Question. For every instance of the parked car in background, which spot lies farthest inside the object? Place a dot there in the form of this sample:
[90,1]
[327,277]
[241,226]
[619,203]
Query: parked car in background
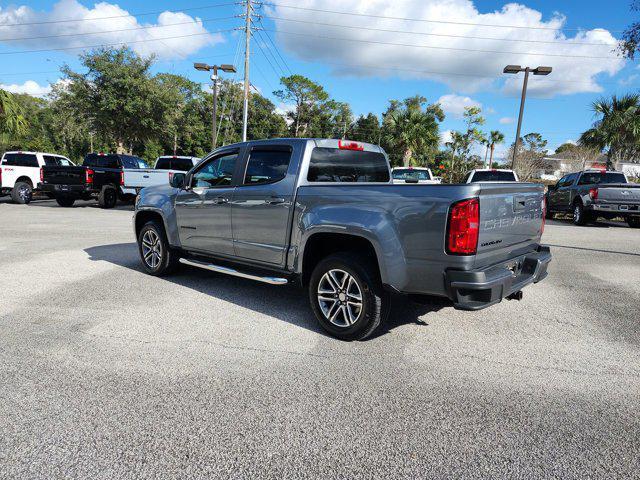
[101,177]
[176,162]
[491,175]
[20,172]
[595,193]
[326,213]
[404,175]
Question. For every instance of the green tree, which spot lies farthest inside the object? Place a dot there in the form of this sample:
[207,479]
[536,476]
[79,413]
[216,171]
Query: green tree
[532,149]
[566,147]
[617,128]
[118,97]
[306,96]
[495,138]
[462,143]
[12,120]
[630,41]
[366,129]
[411,130]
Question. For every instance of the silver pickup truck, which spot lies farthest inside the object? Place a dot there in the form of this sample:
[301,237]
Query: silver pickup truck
[595,193]
[326,213]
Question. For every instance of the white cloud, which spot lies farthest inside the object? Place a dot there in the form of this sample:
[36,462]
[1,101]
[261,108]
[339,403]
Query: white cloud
[118,28]
[445,137]
[506,120]
[29,87]
[463,70]
[453,104]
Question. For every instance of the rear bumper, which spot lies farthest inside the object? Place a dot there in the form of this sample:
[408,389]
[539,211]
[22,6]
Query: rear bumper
[76,191]
[477,289]
[614,208]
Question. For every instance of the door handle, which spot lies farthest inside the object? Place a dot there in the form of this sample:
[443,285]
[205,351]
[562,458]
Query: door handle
[274,201]
[220,200]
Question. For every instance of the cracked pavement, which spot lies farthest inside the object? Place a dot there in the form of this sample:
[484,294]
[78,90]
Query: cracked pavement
[106,372]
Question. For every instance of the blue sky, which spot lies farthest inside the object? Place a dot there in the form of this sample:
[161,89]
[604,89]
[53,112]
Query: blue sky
[355,57]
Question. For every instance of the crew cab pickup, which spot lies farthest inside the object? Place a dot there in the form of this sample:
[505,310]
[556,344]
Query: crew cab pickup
[20,172]
[165,168]
[326,213]
[595,193]
[101,176]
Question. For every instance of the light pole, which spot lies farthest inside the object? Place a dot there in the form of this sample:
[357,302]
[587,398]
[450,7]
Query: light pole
[203,67]
[515,69]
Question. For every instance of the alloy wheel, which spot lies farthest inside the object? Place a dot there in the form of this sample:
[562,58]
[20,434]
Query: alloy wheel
[340,298]
[151,249]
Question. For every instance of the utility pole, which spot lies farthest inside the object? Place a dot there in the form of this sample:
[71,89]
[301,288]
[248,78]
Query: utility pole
[247,33]
[515,69]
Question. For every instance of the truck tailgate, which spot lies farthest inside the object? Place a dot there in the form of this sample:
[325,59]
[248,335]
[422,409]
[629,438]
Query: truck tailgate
[145,178]
[63,175]
[622,193]
[511,216]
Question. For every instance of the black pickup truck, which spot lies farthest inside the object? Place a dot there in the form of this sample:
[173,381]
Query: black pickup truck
[100,177]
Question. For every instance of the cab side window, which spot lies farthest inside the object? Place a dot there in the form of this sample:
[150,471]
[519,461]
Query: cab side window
[267,165]
[218,172]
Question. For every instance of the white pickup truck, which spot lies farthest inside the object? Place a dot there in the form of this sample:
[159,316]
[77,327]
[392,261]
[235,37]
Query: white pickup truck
[404,175]
[20,172]
[165,167]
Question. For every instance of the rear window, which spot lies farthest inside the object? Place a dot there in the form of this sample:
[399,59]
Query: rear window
[20,160]
[57,161]
[601,177]
[96,160]
[494,176]
[170,163]
[129,161]
[409,173]
[335,165]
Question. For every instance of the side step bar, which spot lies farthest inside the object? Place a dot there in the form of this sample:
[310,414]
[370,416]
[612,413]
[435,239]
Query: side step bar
[231,271]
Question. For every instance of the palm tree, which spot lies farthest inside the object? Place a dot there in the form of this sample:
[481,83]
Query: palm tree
[617,128]
[12,120]
[495,137]
[412,130]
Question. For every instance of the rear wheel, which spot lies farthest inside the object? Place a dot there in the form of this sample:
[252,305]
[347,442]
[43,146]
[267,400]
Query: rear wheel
[347,297]
[633,222]
[579,215]
[158,258]
[22,193]
[65,201]
[108,197]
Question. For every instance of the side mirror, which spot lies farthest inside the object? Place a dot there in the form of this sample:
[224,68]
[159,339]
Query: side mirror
[178,180]
[411,180]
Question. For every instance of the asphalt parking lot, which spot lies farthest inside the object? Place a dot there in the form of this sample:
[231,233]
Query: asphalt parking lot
[106,372]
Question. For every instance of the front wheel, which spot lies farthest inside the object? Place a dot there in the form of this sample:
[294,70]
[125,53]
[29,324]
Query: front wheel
[158,258]
[579,215]
[633,222]
[22,193]
[347,296]
[108,197]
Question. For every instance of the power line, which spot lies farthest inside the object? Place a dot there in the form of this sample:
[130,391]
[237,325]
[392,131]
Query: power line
[139,14]
[451,22]
[267,58]
[360,27]
[113,44]
[16,39]
[503,52]
[275,47]
[271,52]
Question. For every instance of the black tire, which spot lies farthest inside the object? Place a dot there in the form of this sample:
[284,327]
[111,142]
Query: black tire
[633,222]
[108,197]
[65,201]
[22,193]
[167,259]
[580,217]
[374,303]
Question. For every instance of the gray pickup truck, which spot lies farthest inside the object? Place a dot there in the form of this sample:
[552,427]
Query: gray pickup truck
[595,193]
[326,213]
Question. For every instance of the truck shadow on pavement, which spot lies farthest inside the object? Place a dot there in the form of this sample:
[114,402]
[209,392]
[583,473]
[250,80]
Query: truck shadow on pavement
[287,303]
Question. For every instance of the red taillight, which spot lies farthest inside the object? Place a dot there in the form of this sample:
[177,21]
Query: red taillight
[348,145]
[593,193]
[121,178]
[464,226]
[41,175]
[89,176]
